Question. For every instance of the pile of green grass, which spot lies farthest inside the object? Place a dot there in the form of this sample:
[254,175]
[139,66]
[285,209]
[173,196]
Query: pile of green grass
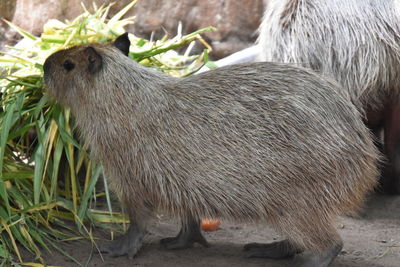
[47,179]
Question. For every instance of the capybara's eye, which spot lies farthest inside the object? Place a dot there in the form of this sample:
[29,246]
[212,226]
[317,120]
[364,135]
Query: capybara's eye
[68,65]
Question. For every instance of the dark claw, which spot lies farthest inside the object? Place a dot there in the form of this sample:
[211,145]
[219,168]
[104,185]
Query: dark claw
[276,250]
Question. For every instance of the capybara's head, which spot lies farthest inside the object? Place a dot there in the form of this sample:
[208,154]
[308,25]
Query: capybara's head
[69,74]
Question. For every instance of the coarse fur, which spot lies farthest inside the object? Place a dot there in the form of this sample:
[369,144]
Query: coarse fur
[356,42]
[261,142]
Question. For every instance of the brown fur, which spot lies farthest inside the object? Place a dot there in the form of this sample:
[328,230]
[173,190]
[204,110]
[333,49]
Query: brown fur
[261,142]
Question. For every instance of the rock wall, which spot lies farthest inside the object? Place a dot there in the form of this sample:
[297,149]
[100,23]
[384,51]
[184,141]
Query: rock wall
[7,9]
[236,20]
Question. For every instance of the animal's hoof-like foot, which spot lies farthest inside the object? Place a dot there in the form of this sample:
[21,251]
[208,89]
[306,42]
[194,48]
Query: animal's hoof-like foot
[185,239]
[128,244]
[321,259]
[119,248]
[276,250]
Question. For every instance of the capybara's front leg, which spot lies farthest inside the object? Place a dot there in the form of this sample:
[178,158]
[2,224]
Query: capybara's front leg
[189,234]
[128,244]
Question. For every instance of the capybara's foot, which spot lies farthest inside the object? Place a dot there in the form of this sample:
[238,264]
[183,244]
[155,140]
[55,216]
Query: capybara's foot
[322,259]
[188,235]
[128,244]
[276,250]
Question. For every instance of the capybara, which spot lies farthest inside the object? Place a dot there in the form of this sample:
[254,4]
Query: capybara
[355,42]
[262,142]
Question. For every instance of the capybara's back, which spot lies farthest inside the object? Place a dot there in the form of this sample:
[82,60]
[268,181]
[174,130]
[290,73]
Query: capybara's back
[262,142]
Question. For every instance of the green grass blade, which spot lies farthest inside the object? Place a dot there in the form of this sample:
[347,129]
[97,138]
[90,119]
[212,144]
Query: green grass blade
[89,192]
[5,130]
[107,195]
[58,149]
[21,31]
[39,160]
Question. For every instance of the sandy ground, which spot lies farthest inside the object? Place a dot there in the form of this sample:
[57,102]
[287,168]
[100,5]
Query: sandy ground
[372,240]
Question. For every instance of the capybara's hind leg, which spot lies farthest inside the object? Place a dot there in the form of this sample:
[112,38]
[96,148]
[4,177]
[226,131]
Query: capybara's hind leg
[391,176]
[322,259]
[276,250]
[321,237]
[128,244]
[312,231]
[189,234]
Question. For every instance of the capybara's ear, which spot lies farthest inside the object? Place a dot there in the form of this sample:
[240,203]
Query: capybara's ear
[123,43]
[93,59]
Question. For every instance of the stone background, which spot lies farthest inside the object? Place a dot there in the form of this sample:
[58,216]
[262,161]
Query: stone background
[236,20]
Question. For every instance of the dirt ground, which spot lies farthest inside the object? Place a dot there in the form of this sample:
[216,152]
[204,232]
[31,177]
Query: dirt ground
[372,240]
